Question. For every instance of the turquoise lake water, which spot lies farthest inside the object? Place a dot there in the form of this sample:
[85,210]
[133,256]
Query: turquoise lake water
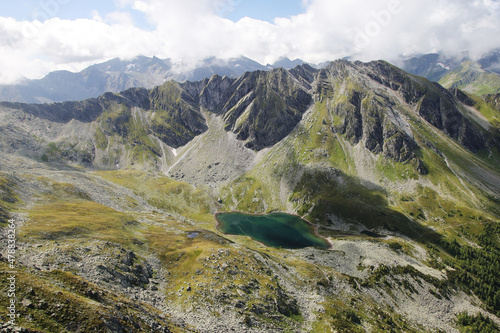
[275,229]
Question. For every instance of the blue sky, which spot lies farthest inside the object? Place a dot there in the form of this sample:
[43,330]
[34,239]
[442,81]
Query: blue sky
[265,10]
[39,36]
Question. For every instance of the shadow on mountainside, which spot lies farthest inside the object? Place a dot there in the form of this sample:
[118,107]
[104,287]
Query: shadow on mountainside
[324,195]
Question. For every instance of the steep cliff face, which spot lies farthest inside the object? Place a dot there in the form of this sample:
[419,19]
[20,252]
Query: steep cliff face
[176,117]
[373,103]
[264,107]
[432,102]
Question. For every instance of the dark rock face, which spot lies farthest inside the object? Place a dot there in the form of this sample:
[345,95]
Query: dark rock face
[177,118]
[353,122]
[462,96]
[215,92]
[261,108]
[441,110]
[275,106]
[433,103]
[365,119]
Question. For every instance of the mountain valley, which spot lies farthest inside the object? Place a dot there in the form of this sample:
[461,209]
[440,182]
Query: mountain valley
[114,201]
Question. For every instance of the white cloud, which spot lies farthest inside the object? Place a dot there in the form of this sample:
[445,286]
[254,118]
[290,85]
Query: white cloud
[193,29]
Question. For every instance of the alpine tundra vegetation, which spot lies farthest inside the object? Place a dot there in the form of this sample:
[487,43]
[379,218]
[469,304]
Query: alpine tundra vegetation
[114,201]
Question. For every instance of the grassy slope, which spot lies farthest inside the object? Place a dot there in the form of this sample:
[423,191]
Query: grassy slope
[165,193]
[67,216]
[58,301]
[8,198]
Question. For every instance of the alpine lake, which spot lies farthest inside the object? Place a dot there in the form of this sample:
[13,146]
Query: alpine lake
[278,230]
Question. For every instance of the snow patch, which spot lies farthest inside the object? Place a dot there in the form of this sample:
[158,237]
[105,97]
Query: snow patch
[444,66]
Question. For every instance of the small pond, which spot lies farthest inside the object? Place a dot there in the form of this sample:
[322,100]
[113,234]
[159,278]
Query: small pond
[279,230]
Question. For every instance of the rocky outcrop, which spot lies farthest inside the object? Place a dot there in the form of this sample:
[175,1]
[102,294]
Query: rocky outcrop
[176,117]
[265,107]
[215,92]
[432,102]
[362,115]
[494,100]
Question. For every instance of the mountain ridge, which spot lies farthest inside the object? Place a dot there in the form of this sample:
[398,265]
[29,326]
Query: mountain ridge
[289,93]
[116,75]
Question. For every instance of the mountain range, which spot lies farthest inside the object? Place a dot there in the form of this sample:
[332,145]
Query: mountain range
[114,200]
[481,76]
[117,75]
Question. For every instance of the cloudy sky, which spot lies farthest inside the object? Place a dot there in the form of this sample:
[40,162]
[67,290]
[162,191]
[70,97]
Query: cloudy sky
[38,36]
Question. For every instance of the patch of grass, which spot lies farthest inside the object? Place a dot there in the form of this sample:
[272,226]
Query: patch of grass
[61,191]
[80,152]
[165,193]
[248,194]
[338,317]
[475,323]
[317,143]
[395,246]
[395,171]
[101,141]
[80,218]
[8,199]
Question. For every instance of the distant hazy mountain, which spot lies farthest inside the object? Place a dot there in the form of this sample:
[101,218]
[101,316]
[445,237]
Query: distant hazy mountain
[479,77]
[432,66]
[117,75]
[287,63]
[471,77]
[491,61]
